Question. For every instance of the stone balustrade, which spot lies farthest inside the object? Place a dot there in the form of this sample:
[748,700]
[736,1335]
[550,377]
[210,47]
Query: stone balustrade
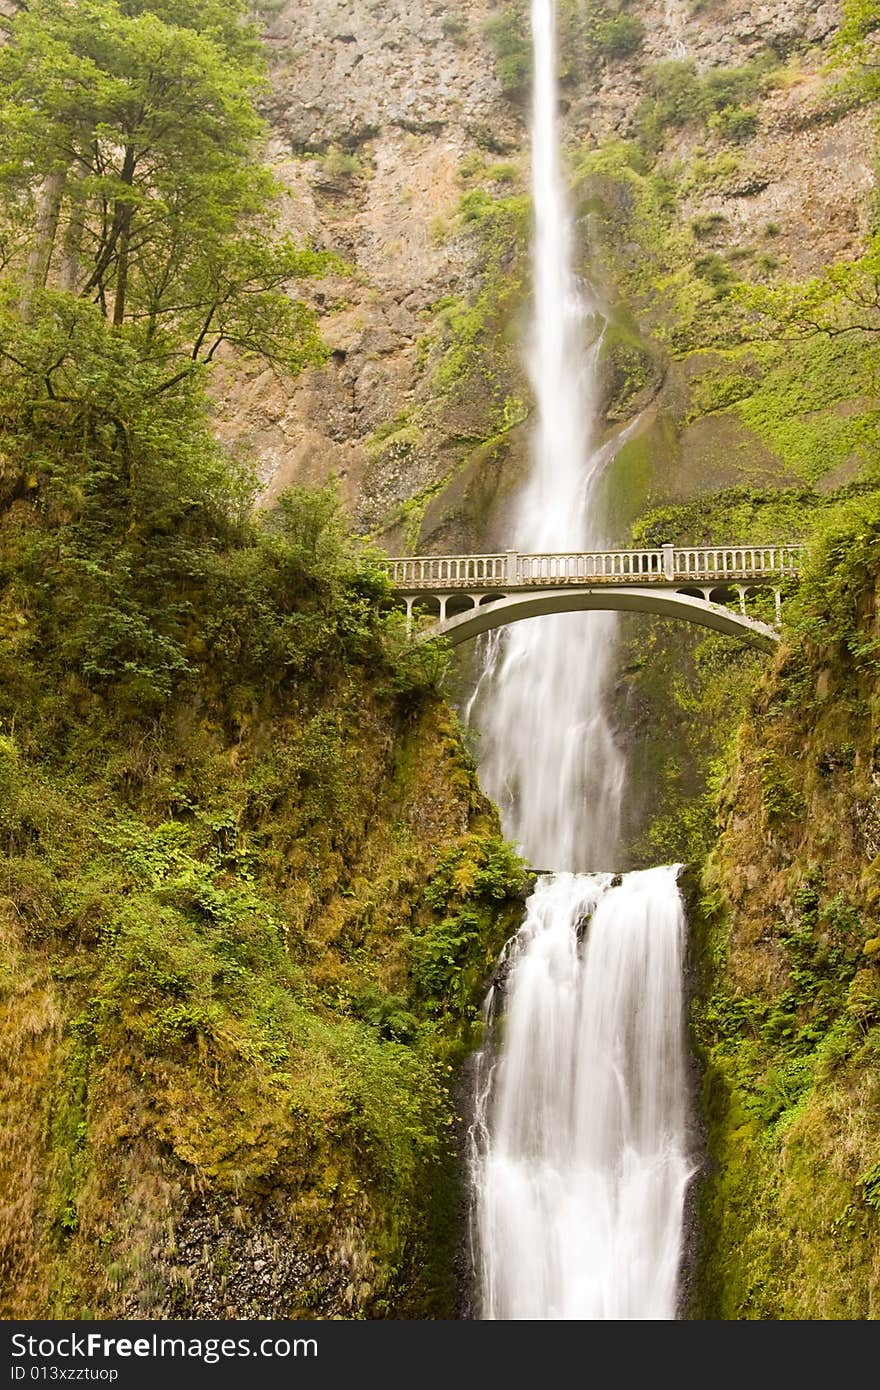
[668,564]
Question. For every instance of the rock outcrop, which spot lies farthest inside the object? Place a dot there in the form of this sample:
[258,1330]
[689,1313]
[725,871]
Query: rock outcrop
[384,122]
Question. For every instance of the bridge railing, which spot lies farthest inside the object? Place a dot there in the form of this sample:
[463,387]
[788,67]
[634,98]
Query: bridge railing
[666,565]
[583,567]
[736,562]
[447,571]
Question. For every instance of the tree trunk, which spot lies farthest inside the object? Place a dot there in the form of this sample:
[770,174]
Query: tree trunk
[122,267]
[124,218]
[48,211]
[69,270]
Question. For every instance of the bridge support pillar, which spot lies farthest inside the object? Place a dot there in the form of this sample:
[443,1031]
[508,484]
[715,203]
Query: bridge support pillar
[668,562]
[409,616]
[706,594]
[512,566]
[777,594]
[443,599]
[742,599]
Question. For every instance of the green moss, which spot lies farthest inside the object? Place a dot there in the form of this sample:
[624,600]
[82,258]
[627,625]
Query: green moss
[786,1018]
[803,406]
[225,908]
[778,1241]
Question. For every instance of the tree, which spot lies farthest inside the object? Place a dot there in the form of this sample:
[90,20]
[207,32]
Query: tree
[130,153]
[844,299]
[856,48]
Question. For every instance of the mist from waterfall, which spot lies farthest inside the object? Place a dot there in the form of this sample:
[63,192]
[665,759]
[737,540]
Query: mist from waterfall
[579,1145]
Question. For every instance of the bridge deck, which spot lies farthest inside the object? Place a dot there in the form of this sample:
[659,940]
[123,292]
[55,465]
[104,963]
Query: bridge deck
[666,565]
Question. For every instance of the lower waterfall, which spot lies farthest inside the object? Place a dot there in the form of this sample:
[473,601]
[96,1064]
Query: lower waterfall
[579,1147]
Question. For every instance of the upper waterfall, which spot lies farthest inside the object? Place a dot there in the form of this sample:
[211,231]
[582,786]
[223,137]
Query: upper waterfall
[548,754]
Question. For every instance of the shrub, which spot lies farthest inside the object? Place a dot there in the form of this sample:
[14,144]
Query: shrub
[707,223]
[620,36]
[735,123]
[513,56]
[715,270]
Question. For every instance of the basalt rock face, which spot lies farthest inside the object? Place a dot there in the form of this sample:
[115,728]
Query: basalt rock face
[402,139]
[374,113]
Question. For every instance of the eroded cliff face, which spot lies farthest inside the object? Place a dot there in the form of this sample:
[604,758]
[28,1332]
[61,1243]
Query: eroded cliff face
[374,113]
[403,143]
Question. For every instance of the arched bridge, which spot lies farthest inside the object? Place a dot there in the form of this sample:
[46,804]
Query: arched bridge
[708,585]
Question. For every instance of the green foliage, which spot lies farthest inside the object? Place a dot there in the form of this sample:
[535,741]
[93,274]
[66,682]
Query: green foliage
[707,223]
[144,567]
[674,99]
[487,867]
[144,194]
[448,962]
[696,688]
[512,49]
[814,406]
[634,204]
[678,95]
[786,950]
[735,123]
[471,345]
[339,164]
[779,796]
[844,300]
[781,1076]
[247,867]
[843,561]
[854,48]
[240,886]
[716,271]
[620,35]
[437,954]
[751,514]
[476,205]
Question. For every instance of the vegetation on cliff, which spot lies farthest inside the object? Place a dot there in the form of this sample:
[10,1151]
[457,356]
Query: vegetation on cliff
[787,1011]
[251,890]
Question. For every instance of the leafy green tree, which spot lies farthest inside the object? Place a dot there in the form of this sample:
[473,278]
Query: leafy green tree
[620,35]
[844,299]
[856,48]
[130,153]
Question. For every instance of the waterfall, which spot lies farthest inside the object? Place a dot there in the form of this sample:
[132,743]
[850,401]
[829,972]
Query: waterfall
[547,752]
[581,1127]
[579,1151]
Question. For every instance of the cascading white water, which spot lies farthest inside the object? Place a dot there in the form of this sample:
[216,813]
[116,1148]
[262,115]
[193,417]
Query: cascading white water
[581,1127]
[579,1149]
[547,751]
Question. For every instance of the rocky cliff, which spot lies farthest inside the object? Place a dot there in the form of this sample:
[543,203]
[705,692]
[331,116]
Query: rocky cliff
[402,140]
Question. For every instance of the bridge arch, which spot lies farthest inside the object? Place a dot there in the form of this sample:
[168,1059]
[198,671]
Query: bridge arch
[667,603]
